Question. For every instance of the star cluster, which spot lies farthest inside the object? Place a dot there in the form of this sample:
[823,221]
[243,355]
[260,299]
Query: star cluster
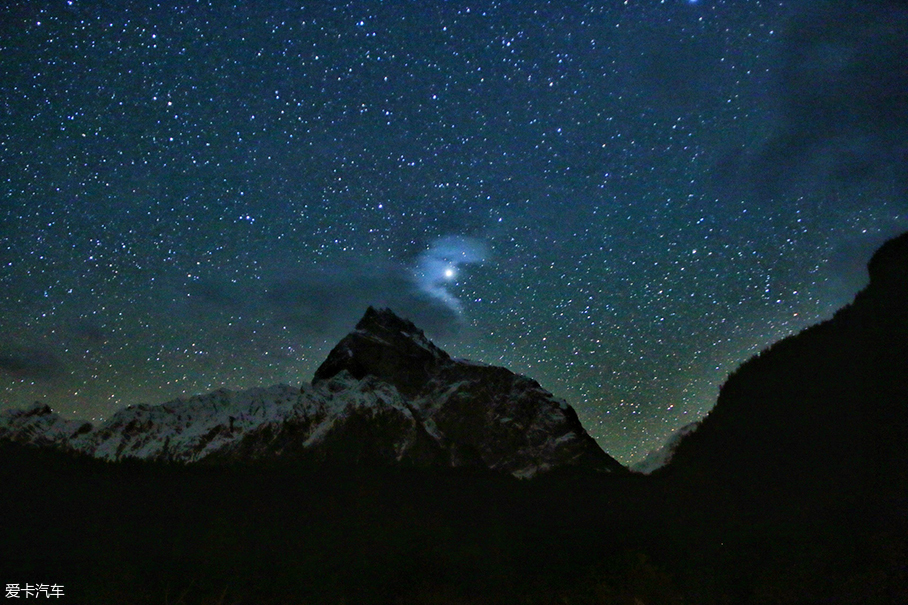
[622,200]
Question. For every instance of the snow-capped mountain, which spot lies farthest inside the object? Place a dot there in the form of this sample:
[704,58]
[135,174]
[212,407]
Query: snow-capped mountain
[384,395]
[662,455]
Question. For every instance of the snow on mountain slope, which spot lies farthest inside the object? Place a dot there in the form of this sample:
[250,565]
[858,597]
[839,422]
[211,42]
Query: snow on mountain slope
[189,429]
[39,425]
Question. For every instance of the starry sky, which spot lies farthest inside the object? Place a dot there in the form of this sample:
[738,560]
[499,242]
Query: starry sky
[623,200]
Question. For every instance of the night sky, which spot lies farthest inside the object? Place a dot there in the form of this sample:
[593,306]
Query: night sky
[621,200]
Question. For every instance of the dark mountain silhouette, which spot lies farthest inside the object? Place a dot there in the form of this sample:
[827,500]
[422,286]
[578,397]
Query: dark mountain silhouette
[801,469]
[826,408]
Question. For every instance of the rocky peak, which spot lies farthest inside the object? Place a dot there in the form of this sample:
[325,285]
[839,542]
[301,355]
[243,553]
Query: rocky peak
[484,416]
[38,409]
[388,347]
[386,322]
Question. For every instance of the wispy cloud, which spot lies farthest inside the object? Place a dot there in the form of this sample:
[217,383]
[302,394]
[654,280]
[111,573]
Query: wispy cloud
[30,363]
[439,266]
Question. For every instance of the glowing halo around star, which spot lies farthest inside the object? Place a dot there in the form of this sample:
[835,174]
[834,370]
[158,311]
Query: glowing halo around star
[438,266]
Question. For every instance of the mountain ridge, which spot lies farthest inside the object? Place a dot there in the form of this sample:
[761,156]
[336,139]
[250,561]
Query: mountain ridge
[384,395]
[821,416]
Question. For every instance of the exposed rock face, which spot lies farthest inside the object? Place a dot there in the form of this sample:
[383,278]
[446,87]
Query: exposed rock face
[384,395]
[480,415]
[387,347]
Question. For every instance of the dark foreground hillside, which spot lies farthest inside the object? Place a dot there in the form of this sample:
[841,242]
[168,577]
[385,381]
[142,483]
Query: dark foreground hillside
[799,476]
[147,533]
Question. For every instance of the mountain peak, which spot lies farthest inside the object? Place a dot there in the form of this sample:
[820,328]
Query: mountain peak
[388,347]
[481,415]
[39,409]
[379,321]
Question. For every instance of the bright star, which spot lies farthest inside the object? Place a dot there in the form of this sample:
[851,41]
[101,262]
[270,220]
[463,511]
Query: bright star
[438,266]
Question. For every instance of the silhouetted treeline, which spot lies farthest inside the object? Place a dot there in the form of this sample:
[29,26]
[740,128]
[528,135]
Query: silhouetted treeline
[148,533]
